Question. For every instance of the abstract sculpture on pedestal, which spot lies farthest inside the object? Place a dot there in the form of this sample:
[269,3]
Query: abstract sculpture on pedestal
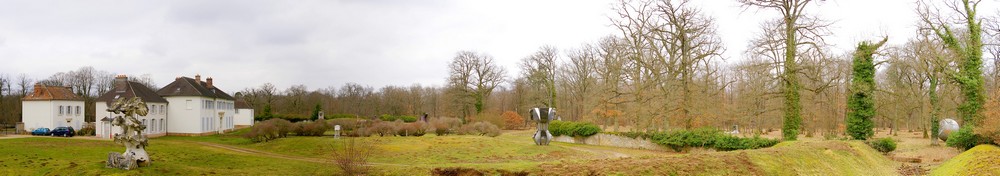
[543,116]
[135,142]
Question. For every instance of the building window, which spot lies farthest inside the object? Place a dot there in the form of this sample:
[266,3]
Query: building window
[163,126]
[152,124]
[163,109]
[60,110]
[144,124]
[153,109]
[77,110]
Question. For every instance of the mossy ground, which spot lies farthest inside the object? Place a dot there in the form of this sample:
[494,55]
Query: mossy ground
[980,160]
[787,158]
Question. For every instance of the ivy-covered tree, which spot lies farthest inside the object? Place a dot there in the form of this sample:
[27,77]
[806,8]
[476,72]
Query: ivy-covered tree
[969,48]
[861,103]
[315,112]
[799,29]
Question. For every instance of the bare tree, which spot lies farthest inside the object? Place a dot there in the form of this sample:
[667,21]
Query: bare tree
[579,79]
[688,37]
[475,75]
[25,84]
[540,71]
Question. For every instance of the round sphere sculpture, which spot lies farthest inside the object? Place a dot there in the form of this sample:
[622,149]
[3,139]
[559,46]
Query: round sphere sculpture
[946,127]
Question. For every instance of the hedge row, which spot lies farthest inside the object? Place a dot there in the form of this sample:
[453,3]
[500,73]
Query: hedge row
[702,137]
[386,117]
[289,117]
[575,129]
[340,116]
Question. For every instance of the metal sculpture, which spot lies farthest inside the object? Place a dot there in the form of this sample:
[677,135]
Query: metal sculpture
[946,127]
[542,116]
[135,142]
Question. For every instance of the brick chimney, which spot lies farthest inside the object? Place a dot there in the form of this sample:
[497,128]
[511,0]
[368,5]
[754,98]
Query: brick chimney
[121,82]
[209,82]
[197,77]
[38,89]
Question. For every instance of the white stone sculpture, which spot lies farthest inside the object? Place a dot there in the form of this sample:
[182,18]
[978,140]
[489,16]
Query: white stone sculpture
[135,142]
[336,131]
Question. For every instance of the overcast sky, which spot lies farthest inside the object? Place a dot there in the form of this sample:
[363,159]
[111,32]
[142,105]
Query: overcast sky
[243,43]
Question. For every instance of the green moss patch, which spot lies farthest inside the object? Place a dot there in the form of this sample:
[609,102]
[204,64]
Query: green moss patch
[980,160]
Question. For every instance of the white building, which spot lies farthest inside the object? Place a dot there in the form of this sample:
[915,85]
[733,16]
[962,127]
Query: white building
[185,107]
[51,107]
[155,120]
[244,114]
[197,108]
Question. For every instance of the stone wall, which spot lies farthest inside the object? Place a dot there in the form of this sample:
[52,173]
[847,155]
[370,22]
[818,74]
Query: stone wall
[611,140]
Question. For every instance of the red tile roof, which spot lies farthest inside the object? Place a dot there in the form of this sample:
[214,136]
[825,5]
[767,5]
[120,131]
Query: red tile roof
[46,92]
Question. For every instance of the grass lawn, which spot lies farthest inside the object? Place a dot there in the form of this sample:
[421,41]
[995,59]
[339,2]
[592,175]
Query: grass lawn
[514,150]
[61,156]
[511,151]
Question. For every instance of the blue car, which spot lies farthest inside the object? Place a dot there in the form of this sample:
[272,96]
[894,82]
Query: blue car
[41,131]
[64,132]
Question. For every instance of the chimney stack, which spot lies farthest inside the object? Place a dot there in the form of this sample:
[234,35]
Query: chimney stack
[38,89]
[197,77]
[121,81]
[209,82]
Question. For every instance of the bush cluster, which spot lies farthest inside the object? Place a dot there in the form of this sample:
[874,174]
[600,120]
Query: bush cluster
[884,145]
[440,126]
[445,126]
[316,128]
[965,139]
[575,129]
[394,128]
[702,137]
[278,128]
[270,130]
[480,128]
[87,130]
[386,117]
[512,120]
[346,124]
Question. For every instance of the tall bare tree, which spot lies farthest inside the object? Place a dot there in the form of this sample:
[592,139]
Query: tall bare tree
[475,75]
[540,71]
[579,79]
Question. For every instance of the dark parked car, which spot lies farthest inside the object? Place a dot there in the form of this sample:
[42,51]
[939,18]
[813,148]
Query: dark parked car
[41,131]
[64,131]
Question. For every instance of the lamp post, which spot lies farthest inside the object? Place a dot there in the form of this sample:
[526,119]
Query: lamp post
[221,114]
